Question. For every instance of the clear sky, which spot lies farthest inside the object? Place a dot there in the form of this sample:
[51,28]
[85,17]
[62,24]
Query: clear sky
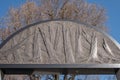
[112,11]
[113,16]
[5,5]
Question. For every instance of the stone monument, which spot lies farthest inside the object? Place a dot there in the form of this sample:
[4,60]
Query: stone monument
[59,42]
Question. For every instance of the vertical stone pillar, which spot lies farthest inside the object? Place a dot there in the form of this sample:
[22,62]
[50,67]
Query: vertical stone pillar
[1,75]
[118,74]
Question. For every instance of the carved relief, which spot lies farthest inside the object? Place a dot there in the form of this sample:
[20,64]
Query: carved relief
[59,42]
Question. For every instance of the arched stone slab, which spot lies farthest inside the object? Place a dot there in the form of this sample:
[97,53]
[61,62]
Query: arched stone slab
[59,42]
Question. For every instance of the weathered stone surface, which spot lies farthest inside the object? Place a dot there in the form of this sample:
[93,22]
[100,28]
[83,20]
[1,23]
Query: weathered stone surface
[59,42]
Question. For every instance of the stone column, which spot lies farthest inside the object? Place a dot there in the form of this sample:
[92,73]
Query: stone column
[118,74]
[1,75]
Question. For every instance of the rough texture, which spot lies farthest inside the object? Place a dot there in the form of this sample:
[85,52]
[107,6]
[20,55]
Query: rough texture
[59,42]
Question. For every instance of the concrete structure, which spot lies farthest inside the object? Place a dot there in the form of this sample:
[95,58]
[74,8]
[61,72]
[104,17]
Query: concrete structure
[60,44]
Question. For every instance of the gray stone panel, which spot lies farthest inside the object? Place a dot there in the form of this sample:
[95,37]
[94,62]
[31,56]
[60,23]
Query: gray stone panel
[60,42]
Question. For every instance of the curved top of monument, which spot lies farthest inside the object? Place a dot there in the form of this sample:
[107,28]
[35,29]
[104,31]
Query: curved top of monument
[59,42]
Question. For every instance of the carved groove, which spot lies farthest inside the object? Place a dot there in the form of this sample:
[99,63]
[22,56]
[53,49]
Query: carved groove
[59,42]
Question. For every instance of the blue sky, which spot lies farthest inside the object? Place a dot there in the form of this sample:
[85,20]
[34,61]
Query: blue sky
[112,11]
[5,5]
[113,16]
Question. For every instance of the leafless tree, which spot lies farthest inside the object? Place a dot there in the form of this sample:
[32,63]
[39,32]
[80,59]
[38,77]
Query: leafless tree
[33,11]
